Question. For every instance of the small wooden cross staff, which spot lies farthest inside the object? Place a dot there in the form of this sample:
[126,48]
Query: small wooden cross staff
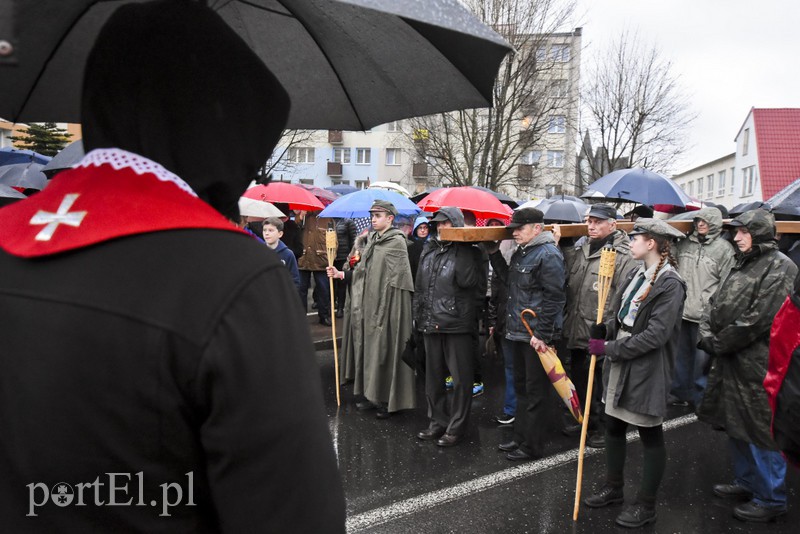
[331,244]
[605,274]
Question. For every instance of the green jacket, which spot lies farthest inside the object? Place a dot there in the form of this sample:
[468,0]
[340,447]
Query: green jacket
[739,320]
[703,263]
[582,287]
[378,323]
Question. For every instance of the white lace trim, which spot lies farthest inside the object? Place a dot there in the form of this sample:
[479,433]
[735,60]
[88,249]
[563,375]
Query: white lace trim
[122,159]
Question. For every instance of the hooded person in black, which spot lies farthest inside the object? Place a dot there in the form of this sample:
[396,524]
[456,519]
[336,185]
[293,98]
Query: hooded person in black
[155,357]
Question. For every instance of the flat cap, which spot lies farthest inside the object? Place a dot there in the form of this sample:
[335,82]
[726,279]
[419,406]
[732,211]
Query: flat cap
[526,216]
[602,211]
[655,227]
[384,205]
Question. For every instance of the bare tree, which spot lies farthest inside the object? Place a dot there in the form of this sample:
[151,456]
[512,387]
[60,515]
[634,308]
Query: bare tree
[280,157]
[635,109]
[485,146]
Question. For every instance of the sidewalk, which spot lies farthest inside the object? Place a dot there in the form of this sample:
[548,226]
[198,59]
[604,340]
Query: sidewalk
[321,334]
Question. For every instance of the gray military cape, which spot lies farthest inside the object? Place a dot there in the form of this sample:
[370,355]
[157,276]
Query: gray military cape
[378,323]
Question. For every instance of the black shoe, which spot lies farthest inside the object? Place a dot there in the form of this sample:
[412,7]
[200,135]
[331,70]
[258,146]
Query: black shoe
[383,413]
[751,511]
[339,314]
[572,430]
[430,434]
[365,405]
[597,440]
[606,496]
[637,514]
[509,446]
[518,455]
[448,440]
[504,419]
[732,491]
[325,320]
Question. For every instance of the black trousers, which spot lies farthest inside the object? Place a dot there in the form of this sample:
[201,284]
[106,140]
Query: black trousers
[453,352]
[533,389]
[322,292]
[580,377]
[340,287]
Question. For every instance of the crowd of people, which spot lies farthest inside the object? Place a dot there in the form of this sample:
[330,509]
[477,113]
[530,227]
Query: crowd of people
[688,325]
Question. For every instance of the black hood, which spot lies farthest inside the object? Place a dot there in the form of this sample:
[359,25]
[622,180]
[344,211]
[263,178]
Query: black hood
[169,80]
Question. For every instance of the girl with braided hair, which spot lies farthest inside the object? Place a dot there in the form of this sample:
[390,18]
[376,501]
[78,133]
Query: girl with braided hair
[639,342]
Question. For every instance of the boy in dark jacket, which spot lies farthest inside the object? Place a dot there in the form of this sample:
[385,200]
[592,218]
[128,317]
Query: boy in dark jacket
[273,231]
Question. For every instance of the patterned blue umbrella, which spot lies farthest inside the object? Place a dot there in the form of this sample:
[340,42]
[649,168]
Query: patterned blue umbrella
[358,204]
[10,156]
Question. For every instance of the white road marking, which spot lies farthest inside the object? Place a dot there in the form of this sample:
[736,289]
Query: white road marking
[412,505]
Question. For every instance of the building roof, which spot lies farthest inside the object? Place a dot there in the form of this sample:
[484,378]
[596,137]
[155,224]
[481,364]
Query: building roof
[778,139]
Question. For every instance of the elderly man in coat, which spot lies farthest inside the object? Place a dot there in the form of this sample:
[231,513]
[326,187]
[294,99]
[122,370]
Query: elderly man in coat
[704,261]
[736,333]
[378,318]
[582,267]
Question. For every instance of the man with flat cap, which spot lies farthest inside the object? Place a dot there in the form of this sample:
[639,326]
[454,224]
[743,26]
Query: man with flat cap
[378,318]
[149,383]
[535,279]
[582,267]
[735,331]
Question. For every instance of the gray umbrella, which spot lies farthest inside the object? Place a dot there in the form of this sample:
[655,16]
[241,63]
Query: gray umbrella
[347,64]
[25,175]
[69,156]
[787,200]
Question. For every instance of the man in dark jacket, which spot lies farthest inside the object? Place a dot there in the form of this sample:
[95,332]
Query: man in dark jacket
[314,262]
[163,379]
[345,239]
[444,311]
[736,334]
[535,279]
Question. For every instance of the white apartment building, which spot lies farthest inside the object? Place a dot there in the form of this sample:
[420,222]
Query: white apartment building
[713,181]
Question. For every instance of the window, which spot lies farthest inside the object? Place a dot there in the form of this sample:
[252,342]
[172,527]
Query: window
[691,189]
[558,88]
[733,180]
[532,157]
[301,155]
[363,156]
[555,158]
[745,141]
[560,53]
[710,186]
[362,184]
[700,185]
[749,178]
[393,156]
[558,124]
[394,126]
[341,155]
[720,183]
[307,181]
[541,53]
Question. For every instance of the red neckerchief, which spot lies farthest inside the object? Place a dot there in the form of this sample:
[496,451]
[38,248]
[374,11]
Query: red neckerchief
[100,200]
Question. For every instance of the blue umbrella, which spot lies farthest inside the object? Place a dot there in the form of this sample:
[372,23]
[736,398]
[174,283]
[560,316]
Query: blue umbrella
[10,155]
[358,204]
[639,185]
[342,189]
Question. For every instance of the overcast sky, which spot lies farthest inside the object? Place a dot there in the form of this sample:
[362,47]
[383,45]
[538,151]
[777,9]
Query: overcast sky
[729,55]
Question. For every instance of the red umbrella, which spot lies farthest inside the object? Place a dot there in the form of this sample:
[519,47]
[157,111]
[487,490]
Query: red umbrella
[285,193]
[482,204]
[324,196]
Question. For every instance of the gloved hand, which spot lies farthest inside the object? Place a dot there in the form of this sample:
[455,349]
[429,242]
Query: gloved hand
[707,344]
[597,346]
[353,260]
[598,331]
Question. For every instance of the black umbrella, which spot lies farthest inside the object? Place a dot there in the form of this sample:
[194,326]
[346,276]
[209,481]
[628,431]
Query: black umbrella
[26,176]
[69,156]
[747,206]
[347,64]
[787,200]
[419,196]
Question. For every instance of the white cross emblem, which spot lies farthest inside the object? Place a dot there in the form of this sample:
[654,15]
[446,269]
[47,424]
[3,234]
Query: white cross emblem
[61,216]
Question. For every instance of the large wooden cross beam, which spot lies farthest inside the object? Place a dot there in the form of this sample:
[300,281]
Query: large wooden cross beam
[496,233]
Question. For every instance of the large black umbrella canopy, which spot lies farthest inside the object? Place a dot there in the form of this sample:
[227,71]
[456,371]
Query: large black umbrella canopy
[347,64]
[787,200]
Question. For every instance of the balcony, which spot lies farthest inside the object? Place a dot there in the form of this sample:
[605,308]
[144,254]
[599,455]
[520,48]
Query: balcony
[419,170]
[525,173]
[334,168]
[335,137]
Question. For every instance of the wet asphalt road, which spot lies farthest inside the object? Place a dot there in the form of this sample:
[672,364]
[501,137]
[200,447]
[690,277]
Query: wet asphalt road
[395,483]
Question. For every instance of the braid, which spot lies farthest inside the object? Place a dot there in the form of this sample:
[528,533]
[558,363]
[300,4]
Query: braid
[666,256]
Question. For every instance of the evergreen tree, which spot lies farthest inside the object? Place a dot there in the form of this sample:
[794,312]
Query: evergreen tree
[45,138]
